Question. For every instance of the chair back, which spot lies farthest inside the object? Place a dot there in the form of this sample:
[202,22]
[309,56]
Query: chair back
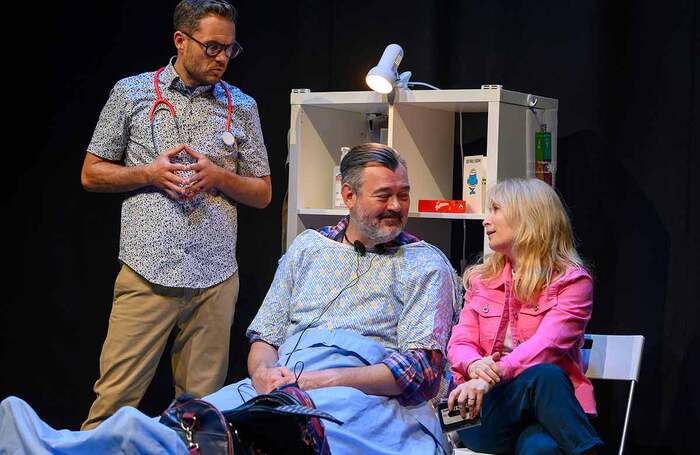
[613,356]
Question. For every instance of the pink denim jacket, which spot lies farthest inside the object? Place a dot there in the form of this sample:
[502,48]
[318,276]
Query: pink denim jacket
[547,330]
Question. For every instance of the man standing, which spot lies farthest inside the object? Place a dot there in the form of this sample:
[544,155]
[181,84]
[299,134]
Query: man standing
[186,147]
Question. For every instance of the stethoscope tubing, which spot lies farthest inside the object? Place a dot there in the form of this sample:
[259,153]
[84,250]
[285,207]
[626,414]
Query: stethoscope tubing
[226,136]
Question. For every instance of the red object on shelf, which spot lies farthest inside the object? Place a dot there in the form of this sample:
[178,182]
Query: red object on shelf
[442,206]
[543,171]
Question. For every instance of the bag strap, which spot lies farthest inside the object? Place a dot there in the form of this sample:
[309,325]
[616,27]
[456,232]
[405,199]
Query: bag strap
[288,409]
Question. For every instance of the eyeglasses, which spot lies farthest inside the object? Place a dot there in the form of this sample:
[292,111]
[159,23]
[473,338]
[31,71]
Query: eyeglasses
[213,49]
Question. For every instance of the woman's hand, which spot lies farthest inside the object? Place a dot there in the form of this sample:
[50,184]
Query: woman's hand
[486,368]
[468,397]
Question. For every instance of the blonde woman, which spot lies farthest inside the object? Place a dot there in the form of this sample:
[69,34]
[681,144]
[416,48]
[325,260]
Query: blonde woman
[515,352]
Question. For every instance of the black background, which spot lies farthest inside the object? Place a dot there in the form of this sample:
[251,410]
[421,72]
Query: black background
[625,74]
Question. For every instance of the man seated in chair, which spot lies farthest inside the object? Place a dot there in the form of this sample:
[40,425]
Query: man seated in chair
[359,315]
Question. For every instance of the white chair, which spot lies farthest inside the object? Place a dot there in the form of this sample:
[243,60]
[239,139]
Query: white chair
[610,357]
[615,357]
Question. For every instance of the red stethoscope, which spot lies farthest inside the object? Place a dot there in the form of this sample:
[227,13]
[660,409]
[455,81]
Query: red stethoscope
[228,137]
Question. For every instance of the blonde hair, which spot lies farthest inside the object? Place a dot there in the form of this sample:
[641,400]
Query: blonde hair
[543,240]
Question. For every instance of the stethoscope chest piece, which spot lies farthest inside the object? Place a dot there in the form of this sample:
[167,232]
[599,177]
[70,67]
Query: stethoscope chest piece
[228,138]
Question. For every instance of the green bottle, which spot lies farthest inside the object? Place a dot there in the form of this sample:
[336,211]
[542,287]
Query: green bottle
[543,154]
[543,144]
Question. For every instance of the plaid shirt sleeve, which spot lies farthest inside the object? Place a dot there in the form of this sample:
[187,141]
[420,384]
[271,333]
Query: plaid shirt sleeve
[417,372]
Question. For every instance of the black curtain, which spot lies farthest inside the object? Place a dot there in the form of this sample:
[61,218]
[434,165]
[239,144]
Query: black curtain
[625,74]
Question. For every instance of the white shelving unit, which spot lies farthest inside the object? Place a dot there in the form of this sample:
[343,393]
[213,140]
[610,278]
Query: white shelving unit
[421,128]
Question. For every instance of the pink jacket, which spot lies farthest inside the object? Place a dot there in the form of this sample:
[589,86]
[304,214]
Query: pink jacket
[548,330]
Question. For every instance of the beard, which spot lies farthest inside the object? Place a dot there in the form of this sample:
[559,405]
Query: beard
[374,228]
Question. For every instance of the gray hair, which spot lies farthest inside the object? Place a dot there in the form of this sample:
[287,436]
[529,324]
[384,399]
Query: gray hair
[361,156]
[188,13]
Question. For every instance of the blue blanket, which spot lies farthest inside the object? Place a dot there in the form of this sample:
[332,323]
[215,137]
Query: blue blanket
[127,431]
[372,424]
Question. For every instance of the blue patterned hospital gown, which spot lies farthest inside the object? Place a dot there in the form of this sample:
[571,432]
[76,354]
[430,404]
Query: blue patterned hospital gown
[404,299]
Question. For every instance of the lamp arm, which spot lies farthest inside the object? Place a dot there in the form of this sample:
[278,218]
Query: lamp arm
[423,84]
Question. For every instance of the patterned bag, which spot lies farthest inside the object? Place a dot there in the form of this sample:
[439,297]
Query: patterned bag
[283,421]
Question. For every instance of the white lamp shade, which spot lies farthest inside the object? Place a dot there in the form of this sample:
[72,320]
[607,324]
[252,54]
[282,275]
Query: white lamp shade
[382,77]
[380,82]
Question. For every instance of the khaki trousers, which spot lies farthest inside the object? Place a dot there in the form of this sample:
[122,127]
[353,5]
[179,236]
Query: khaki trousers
[143,315]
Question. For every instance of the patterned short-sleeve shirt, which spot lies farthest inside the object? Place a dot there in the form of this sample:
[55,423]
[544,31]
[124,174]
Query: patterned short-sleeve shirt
[173,243]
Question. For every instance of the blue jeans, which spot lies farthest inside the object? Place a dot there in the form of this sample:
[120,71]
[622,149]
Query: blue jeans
[535,413]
